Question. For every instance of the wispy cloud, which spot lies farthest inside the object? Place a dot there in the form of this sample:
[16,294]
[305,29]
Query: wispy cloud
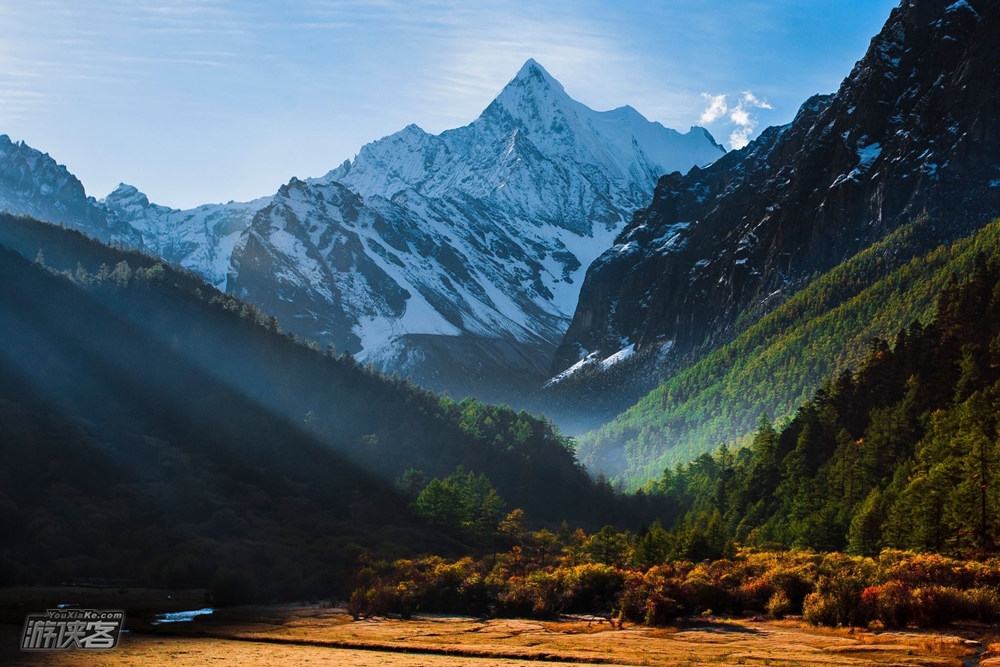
[131,76]
[739,116]
[16,104]
[716,109]
[475,48]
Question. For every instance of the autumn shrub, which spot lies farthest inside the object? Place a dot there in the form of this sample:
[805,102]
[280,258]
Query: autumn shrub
[661,609]
[794,583]
[591,587]
[984,573]
[936,606]
[367,598]
[739,586]
[766,573]
[446,586]
[836,600]
[778,605]
[835,563]
[477,594]
[705,591]
[403,598]
[893,590]
[754,593]
[408,585]
[890,603]
[984,603]
[819,609]
[758,562]
[544,592]
[924,569]
[534,595]
[514,597]
[632,601]
[656,597]
[369,601]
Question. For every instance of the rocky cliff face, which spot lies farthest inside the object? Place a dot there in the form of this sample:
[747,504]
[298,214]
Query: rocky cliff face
[32,183]
[915,127]
[200,239]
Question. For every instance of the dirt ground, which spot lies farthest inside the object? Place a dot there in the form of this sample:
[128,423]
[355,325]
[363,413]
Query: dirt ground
[318,635]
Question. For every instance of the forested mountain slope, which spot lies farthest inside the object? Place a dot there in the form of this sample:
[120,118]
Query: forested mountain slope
[778,362]
[173,431]
[901,453]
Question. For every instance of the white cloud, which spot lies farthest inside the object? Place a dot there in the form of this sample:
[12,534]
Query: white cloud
[717,108]
[753,100]
[738,115]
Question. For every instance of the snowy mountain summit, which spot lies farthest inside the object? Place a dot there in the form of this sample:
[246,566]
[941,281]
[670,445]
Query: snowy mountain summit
[457,257]
[536,152]
[454,258]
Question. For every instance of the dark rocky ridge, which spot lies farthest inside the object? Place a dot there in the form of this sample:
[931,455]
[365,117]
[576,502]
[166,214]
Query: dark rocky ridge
[915,127]
[32,183]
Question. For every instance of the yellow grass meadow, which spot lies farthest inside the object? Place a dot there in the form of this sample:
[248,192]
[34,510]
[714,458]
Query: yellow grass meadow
[298,635]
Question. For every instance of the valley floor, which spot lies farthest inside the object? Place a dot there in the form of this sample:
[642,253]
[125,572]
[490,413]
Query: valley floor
[311,635]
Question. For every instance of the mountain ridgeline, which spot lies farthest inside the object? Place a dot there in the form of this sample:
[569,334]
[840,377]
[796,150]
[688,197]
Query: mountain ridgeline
[159,430]
[911,134]
[912,129]
[455,259]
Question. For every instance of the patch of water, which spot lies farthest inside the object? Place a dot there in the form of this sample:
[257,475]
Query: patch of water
[182,616]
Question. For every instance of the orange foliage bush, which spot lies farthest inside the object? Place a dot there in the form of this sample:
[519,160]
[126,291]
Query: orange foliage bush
[894,590]
[890,603]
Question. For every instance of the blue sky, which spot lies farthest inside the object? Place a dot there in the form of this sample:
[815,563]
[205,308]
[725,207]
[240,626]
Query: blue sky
[197,102]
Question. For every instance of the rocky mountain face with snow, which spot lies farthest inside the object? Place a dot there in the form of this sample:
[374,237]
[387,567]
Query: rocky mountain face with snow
[200,239]
[32,183]
[914,128]
[457,258]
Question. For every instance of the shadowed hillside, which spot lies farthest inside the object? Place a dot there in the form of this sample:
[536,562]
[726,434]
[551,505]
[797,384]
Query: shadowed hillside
[168,431]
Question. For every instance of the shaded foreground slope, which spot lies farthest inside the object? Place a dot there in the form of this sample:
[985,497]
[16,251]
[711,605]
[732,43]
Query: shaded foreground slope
[160,430]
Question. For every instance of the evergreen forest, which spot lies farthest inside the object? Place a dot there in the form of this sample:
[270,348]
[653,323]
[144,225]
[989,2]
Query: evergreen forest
[157,431]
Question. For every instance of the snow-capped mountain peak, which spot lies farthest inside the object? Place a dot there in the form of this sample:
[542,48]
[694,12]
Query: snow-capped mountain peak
[906,134]
[532,69]
[609,160]
[533,97]
[472,242]
[127,195]
[490,226]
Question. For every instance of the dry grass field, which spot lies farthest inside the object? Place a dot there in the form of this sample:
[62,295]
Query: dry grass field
[316,635]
